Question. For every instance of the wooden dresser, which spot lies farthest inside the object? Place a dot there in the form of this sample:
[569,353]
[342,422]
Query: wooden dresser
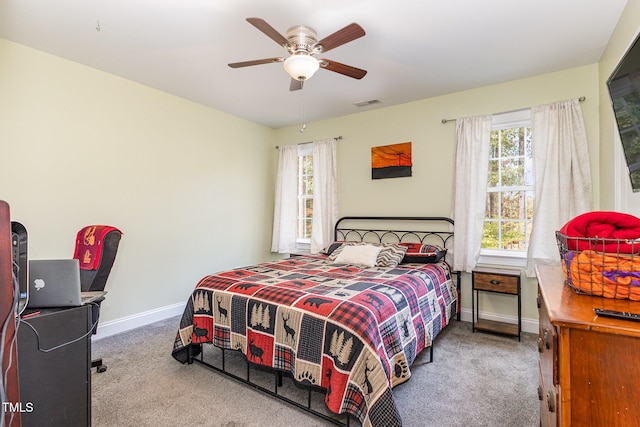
[589,365]
[7,313]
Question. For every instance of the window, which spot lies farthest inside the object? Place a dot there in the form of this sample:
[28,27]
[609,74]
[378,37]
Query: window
[305,194]
[509,206]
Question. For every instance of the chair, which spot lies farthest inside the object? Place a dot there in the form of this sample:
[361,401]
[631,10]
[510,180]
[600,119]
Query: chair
[96,248]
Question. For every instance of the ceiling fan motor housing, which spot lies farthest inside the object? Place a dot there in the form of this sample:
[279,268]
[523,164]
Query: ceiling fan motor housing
[302,39]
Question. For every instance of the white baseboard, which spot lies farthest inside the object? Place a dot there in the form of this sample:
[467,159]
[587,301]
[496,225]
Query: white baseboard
[123,324]
[528,325]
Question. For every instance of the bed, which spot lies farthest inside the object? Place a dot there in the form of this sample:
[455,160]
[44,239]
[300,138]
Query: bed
[333,322]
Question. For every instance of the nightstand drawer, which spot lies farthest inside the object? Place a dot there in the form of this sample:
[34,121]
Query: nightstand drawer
[488,281]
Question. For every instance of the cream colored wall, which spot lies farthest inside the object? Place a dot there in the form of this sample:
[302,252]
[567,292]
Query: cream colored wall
[428,191]
[623,36]
[190,187]
[181,179]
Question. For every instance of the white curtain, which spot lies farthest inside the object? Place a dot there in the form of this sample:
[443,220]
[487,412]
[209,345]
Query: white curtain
[325,194]
[325,197]
[562,176]
[473,135]
[286,203]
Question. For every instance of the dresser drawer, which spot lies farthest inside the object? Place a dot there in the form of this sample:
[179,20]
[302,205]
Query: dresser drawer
[548,392]
[494,282]
[547,347]
[547,417]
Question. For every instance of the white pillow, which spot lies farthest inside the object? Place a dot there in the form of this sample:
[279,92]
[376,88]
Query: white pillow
[359,254]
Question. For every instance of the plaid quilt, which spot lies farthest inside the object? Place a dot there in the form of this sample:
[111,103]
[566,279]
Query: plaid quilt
[353,331]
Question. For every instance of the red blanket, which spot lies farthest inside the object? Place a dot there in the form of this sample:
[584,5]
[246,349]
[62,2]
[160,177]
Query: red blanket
[603,231]
[89,245]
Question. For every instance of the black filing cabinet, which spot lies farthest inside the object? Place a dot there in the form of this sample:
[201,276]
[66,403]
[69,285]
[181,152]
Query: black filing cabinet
[54,368]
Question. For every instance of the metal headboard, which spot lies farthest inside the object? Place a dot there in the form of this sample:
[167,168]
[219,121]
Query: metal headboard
[434,230]
[423,229]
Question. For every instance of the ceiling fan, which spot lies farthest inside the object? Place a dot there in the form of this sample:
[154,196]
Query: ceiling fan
[302,43]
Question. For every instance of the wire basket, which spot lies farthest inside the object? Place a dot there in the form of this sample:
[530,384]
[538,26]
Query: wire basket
[607,268]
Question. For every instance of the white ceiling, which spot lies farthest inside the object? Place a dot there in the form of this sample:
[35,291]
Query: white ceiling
[413,49]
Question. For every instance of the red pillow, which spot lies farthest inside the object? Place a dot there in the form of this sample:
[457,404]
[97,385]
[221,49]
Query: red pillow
[422,253]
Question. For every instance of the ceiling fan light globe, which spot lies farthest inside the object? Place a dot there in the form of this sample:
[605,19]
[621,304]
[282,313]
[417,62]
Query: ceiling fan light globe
[301,67]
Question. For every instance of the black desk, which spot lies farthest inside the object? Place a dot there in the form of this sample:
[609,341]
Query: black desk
[57,383]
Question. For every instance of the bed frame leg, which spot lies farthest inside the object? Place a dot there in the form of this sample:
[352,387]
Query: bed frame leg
[458,304]
[431,353]
[191,354]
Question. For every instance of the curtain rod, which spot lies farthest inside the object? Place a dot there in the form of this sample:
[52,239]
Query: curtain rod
[582,98]
[337,138]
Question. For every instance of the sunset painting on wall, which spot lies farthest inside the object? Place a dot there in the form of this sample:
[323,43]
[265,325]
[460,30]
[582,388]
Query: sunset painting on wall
[391,161]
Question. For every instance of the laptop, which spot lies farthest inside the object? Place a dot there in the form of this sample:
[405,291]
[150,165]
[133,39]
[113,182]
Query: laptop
[55,283]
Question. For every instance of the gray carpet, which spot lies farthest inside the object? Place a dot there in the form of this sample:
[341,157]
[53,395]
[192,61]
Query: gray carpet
[476,379]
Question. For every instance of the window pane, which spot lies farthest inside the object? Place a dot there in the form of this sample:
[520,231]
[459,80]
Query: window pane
[494,145]
[307,165]
[494,173]
[513,171]
[307,229]
[308,206]
[493,205]
[528,171]
[512,142]
[307,186]
[513,204]
[305,194]
[513,235]
[305,215]
[529,196]
[490,238]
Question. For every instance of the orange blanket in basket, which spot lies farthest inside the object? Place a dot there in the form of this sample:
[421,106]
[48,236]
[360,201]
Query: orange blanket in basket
[601,274]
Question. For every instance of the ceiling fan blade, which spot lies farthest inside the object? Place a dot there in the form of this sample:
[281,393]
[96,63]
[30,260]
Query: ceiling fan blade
[255,62]
[295,85]
[347,70]
[271,32]
[340,37]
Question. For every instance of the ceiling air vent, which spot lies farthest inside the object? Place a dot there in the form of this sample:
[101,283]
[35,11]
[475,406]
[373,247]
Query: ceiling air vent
[365,103]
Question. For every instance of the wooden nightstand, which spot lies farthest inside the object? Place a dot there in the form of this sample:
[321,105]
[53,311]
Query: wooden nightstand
[500,281]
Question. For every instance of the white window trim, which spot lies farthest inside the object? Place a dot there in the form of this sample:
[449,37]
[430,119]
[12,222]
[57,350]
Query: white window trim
[500,256]
[510,119]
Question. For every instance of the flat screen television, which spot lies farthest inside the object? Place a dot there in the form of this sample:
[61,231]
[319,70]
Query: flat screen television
[624,90]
